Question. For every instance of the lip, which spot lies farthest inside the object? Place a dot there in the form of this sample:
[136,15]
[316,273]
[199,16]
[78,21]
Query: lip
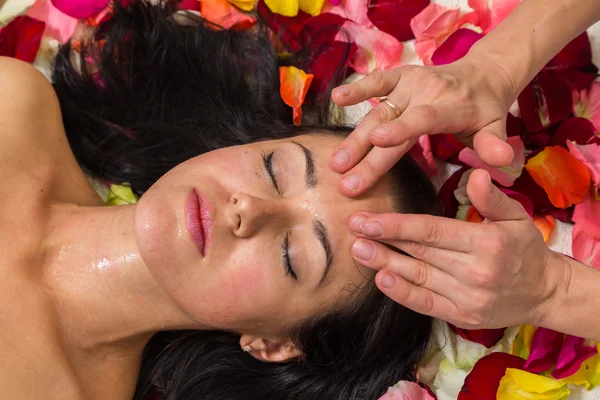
[198,220]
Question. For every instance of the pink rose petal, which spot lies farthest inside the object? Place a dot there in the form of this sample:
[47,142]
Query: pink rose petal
[80,9]
[586,248]
[58,25]
[421,153]
[586,104]
[455,47]
[587,215]
[431,27]
[405,390]
[492,12]
[588,155]
[573,353]
[376,49]
[545,348]
[354,10]
[505,176]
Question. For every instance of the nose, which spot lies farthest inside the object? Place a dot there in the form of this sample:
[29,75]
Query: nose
[248,214]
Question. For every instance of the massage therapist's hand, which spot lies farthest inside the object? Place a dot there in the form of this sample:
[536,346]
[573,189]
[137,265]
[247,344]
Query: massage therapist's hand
[469,98]
[490,275]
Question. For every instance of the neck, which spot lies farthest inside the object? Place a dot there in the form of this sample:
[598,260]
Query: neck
[103,293]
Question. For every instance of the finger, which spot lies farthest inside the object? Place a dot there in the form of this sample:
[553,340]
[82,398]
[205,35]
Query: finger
[490,202]
[357,145]
[377,256]
[371,168]
[450,261]
[440,232]
[413,123]
[376,84]
[418,299]
[490,145]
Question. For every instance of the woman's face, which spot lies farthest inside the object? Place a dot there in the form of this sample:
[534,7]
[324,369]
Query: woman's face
[269,245]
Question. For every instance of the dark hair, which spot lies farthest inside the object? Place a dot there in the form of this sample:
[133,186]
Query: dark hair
[148,93]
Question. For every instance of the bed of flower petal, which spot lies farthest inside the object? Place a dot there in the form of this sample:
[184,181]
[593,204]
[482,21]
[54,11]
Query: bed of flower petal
[553,131]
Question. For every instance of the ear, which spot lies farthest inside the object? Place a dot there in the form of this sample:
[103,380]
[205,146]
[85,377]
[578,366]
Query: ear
[270,350]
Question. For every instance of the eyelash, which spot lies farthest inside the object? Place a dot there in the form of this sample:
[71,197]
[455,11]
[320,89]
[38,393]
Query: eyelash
[285,246]
[268,163]
[286,257]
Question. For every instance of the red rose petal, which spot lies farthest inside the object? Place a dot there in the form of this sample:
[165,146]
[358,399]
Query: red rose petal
[394,16]
[483,381]
[445,146]
[325,62]
[486,337]
[527,186]
[577,53]
[546,101]
[21,38]
[577,129]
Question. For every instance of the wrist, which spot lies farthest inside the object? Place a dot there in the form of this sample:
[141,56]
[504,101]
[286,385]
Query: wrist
[556,292]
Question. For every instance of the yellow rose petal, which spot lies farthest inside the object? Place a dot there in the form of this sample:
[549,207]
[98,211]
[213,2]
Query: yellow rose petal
[121,194]
[522,344]
[312,7]
[588,375]
[287,8]
[522,385]
[246,5]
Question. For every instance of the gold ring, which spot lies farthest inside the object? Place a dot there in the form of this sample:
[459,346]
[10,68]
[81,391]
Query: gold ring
[392,105]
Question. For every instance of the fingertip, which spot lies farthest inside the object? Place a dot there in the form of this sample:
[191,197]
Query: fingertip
[480,183]
[385,280]
[493,150]
[341,95]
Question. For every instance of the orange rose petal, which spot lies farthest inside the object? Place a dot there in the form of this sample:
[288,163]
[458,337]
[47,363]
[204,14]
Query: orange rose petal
[474,216]
[225,15]
[562,176]
[545,224]
[294,84]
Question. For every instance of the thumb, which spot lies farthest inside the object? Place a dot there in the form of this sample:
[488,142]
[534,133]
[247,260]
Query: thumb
[490,201]
[490,145]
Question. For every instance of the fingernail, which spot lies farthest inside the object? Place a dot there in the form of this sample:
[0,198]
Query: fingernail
[341,157]
[381,132]
[351,182]
[373,229]
[356,223]
[344,91]
[363,250]
[386,280]
[490,180]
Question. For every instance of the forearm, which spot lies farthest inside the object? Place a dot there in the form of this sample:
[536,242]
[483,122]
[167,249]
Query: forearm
[575,306]
[532,34]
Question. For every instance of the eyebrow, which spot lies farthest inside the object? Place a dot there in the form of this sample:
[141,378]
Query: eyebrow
[319,228]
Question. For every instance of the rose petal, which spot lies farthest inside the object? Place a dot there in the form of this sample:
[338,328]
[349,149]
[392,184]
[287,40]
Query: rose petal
[545,348]
[562,176]
[573,353]
[376,49]
[289,30]
[246,5]
[80,9]
[225,15]
[483,381]
[455,47]
[522,344]
[294,84]
[579,130]
[446,193]
[577,53]
[588,375]
[58,25]
[587,215]
[586,104]
[545,224]
[405,390]
[311,7]
[491,12]
[354,10]
[394,16]
[287,8]
[527,186]
[21,38]
[445,146]
[421,153]
[518,384]
[588,155]
[546,101]
[487,337]
[327,61]
[431,27]
[505,176]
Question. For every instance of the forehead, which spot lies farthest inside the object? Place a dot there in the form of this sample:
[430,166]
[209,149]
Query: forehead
[334,209]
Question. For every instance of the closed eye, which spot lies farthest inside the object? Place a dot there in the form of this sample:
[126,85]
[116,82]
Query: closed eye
[268,163]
